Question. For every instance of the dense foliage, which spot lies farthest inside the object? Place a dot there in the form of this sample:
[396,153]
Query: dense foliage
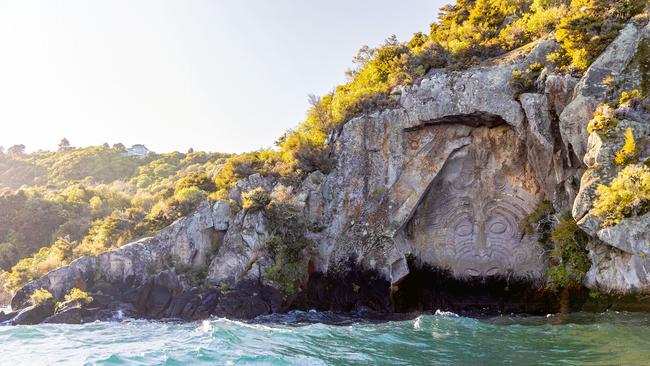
[627,195]
[629,153]
[566,245]
[87,200]
[466,33]
[41,297]
[568,260]
[288,246]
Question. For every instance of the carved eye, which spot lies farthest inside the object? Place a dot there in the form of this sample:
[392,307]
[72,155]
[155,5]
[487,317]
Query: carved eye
[464,229]
[498,228]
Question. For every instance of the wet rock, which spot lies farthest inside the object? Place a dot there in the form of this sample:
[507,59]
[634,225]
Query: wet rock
[34,314]
[178,303]
[71,315]
[7,316]
[157,293]
[208,302]
[248,299]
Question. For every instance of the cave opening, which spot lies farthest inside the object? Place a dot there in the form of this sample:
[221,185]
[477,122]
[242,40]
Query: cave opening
[427,288]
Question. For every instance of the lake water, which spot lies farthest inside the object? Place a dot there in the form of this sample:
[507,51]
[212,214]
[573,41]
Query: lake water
[299,339]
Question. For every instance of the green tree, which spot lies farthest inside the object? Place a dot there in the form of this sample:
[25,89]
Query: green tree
[64,144]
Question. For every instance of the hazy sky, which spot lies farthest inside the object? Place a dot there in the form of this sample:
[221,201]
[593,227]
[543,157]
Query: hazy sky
[226,76]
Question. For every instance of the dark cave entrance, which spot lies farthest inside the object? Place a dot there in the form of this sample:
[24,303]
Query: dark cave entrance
[429,289]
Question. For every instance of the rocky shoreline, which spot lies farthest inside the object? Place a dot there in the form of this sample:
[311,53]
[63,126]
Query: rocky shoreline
[424,209]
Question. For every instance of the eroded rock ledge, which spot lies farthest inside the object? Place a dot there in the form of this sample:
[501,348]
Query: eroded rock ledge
[423,210]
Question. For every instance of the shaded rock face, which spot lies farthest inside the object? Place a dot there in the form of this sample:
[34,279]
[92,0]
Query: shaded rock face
[469,220]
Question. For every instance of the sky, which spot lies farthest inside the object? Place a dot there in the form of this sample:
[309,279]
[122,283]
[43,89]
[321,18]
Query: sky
[228,76]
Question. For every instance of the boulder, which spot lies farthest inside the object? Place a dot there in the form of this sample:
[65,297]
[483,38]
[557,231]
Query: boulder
[615,271]
[71,315]
[34,314]
[4,317]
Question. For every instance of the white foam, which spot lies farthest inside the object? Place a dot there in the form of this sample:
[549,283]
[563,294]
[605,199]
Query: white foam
[206,327]
[249,325]
[418,323]
[446,313]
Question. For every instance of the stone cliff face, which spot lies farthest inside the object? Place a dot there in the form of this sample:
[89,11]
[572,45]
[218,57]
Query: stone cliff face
[449,177]
[438,187]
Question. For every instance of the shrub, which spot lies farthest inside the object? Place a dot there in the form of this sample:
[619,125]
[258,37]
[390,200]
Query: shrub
[110,232]
[627,195]
[196,180]
[255,199]
[568,257]
[244,165]
[41,296]
[609,80]
[42,228]
[590,25]
[631,98]
[78,297]
[629,153]
[603,120]
[540,221]
[287,246]
[197,277]
[190,196]
[524,81]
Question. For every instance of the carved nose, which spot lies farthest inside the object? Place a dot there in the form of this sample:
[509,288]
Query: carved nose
[481,240]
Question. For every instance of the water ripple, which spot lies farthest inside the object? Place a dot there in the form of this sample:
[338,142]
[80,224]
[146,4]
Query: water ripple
[299,339]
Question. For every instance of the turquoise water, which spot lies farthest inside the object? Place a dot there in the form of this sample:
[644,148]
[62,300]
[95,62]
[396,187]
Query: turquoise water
[440,339]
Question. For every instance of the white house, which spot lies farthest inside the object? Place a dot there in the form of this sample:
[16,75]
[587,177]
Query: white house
[137,150]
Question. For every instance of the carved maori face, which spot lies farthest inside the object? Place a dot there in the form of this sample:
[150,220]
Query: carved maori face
[469,221]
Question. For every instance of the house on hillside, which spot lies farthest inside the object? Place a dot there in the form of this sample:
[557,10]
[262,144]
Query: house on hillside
[137,150]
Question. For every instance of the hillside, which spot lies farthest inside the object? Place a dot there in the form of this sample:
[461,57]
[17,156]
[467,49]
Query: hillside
[57,206]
